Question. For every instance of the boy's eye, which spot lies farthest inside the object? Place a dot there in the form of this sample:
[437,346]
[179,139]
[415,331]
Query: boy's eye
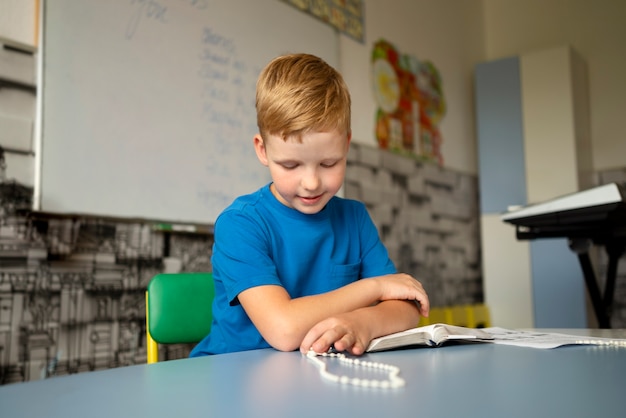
[328,165]
[289,166]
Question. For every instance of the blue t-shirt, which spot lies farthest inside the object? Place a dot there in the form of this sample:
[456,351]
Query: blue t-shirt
[259,241]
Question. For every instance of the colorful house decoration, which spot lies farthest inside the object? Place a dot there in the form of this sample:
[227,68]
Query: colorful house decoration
[410,102]
[344,15]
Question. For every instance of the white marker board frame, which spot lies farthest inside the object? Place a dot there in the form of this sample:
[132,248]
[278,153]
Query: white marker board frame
[148,106]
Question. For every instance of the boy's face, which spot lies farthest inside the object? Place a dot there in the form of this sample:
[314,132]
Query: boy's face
[305,175]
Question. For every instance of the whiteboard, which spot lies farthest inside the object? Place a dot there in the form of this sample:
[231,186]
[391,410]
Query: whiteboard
[148,106]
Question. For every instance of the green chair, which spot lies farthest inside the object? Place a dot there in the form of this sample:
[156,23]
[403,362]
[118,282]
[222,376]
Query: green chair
[178,310]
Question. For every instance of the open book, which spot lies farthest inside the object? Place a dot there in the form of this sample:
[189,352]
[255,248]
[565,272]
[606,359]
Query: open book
[430,335]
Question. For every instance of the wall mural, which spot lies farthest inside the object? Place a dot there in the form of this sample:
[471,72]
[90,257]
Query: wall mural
[72,288]
[427,217]
[411,103]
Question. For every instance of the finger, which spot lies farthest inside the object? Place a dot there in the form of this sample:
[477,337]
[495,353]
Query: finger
[307,342]
[422,299]
[336,337]
[355,347]
[423,304]
[319,339]
[345,343]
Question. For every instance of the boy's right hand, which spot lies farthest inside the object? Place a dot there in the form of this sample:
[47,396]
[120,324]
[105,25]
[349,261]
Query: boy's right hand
[401,286]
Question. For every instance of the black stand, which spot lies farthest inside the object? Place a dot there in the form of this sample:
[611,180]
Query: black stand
[602,305]
[595,216]
[614,242]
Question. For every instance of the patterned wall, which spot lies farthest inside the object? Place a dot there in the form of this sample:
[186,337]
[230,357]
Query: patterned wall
[72,289]
[427,217]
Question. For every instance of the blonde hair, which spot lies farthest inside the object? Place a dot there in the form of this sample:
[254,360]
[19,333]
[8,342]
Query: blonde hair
[299,93]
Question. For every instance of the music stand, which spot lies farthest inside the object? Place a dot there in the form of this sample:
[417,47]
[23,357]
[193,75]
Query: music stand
[596,215]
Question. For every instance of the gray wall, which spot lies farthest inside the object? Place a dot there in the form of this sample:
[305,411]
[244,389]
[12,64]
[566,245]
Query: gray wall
[427,217]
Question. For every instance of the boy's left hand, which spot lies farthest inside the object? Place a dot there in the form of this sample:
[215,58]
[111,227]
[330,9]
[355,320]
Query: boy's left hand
[344,332]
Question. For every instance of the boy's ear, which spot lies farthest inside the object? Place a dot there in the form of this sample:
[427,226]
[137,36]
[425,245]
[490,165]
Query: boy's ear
[259,148]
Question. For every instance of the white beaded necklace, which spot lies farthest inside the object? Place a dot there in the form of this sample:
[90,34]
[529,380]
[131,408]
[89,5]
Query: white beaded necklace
[394,381]
[604,343]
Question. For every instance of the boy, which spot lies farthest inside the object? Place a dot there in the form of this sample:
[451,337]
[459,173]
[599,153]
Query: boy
[288,259]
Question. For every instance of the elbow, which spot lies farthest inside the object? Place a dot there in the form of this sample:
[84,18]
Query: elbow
[285,346]
[284,336]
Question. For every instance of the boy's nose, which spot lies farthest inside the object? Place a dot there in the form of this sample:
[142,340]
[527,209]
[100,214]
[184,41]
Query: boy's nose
[311,180]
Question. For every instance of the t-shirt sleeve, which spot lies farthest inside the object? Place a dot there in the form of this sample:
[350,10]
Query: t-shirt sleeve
[241,256]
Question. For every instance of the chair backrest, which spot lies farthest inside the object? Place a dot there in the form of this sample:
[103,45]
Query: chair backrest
[178,309]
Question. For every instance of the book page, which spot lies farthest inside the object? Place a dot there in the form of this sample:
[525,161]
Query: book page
[445,332]
[538,339]
[413,336]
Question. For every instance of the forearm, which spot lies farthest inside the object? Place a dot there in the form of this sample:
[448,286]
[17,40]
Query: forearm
[284,321]
[389,316]
[354,330]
